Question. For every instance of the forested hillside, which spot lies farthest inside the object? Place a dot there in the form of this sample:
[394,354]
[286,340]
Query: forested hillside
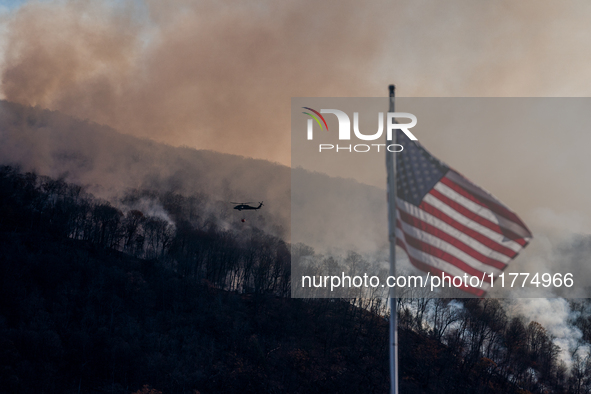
[111,165]
[97,300]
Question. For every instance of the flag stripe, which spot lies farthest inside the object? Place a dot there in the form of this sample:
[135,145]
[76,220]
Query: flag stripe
[475,217]
[488,199]
[482,244]
[426,258]
[449,215]
[506,218]
[505,225]
[426,231]
[411,253]
[441,254]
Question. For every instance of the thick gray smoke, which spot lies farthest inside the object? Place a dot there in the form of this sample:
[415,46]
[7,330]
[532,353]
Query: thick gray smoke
[110,165]
[205,74]
[219,74]
[554,314]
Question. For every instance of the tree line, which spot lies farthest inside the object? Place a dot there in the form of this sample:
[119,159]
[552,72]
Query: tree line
[244,260]
[110,299]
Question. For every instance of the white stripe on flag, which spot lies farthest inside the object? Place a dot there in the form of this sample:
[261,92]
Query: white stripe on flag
[448,248]
[495,236]
[478,209]
[461,236]
[486,196]
[435,262]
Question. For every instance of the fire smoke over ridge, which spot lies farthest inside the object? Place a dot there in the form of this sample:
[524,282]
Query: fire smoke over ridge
[203,74]
[219,75]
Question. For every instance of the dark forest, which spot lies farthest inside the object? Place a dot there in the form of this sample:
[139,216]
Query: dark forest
[98,299]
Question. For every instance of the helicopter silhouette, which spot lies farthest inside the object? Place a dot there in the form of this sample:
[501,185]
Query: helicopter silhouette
[243,206]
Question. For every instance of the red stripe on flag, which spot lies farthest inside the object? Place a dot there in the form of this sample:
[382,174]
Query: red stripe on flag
[440,254]
[486,203]
[477,218]
[437,272]
[428,228]
[430,209]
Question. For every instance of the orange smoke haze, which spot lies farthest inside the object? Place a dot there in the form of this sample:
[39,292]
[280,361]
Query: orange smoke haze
[220,74]
[207,75]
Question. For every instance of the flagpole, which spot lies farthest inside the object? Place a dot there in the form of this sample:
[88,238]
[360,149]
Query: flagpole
[391,171]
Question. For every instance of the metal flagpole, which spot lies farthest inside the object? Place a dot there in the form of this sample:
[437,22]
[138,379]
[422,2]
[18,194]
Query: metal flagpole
[391,170]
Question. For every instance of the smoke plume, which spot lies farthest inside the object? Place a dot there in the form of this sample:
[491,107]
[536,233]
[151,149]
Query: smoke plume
[204,74]
[220,75]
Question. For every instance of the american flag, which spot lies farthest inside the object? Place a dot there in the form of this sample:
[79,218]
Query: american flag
[447,224]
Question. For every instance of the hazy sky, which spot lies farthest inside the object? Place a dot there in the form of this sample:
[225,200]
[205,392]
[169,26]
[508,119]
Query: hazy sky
[220,74]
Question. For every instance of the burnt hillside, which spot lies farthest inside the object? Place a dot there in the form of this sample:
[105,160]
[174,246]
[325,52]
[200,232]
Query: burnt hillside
[110,165]
[97,300]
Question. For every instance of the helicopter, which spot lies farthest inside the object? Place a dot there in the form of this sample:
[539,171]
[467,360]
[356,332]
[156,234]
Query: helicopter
[243,206]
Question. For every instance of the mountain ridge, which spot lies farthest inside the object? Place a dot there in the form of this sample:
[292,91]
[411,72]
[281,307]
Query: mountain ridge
[332,213]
